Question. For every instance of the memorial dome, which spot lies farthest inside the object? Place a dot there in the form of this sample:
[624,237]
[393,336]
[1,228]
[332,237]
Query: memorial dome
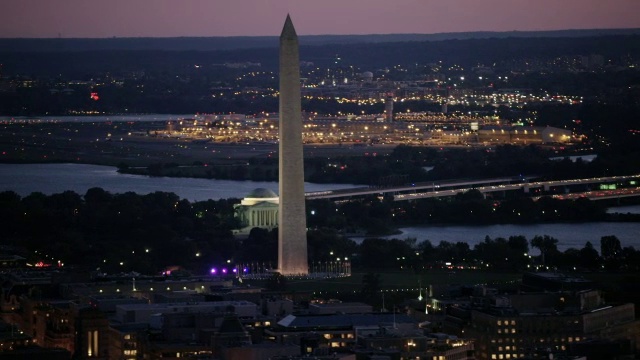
[262,193]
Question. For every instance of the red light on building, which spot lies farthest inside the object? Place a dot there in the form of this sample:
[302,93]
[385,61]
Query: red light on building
[94,96]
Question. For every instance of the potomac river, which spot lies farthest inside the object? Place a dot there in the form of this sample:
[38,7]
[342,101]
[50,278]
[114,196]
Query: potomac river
[56,178]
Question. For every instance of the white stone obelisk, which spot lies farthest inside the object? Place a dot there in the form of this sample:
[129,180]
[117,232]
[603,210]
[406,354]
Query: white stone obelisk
[292,232]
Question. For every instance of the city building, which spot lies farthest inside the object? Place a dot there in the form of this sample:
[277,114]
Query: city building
[149,313]
[552,314]
[334,331]
[339,308]
[416,345]
[388,109]
[523,135]
[127,341]
[549,281]
[509,334]
[12,261]
[91,334]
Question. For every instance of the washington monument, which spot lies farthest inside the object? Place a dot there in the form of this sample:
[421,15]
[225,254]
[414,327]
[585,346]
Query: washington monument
[292,232]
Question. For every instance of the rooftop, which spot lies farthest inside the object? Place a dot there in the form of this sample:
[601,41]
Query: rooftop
[344,320]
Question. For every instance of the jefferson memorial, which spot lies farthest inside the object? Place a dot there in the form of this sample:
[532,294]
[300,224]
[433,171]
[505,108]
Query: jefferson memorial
[258,209]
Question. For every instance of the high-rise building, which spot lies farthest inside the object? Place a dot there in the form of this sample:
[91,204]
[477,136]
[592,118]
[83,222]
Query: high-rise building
[388,109]
[292,231]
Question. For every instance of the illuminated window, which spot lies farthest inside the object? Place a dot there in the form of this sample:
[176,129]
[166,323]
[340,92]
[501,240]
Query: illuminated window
[95,341]
[92,343]
[499,322]
[513,322]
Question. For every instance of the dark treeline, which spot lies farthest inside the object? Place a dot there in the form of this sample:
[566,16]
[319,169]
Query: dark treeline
[406,164]
[367,55]
[99,230]
[113,233]
[375,216]
[241,42]
[512,254]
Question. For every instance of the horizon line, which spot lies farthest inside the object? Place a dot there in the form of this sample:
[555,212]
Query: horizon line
[324,35]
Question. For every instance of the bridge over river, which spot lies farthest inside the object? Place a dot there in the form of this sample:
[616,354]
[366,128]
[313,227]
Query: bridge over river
[524,184]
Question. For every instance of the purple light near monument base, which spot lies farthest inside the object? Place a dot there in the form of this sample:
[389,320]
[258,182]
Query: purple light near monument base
[224,271]
[214,271]
[235,270]
[245,270]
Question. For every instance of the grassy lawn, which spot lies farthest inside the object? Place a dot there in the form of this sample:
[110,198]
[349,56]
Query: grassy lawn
[398,285]
[407,281]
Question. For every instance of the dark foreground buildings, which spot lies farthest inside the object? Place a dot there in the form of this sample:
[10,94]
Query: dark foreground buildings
[50,316]
[551,314]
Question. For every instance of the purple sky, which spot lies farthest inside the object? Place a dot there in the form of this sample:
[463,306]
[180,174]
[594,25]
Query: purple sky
[161,18]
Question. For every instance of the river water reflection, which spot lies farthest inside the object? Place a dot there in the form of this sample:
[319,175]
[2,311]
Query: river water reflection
[56,178]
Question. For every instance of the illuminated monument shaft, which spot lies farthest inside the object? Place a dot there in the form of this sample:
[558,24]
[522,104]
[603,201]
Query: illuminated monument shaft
[292,232]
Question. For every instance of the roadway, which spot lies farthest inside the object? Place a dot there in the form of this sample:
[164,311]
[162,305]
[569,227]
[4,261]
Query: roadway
[599,194]
[451,188]
[456,184]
